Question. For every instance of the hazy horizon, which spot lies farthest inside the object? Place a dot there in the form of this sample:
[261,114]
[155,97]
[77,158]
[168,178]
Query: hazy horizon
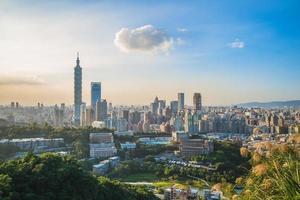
[229,52]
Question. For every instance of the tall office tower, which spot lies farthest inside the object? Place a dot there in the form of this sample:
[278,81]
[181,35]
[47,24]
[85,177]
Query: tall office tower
[97,110]
[154,106]
[174,107]
[110,107]
[180,101]
[135,117]
[59,115]
[90,116]
[95,93]
[62,113]
[83,114]
[162,104]
[77,92]
[125,115]
[12,104]
[197,102]
[188,122]
[147,116]
[56,116]
[17,104]
[101,110]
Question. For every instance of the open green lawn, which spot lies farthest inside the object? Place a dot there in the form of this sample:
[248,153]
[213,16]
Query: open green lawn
[179,183]
[139,177]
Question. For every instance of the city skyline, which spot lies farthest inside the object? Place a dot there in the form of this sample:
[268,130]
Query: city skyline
[225,54]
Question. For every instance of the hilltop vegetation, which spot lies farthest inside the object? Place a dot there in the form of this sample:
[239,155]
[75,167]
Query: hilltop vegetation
[275,175]
[51,176]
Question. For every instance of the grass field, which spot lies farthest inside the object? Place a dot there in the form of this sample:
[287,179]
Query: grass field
[139,177]
[178,183]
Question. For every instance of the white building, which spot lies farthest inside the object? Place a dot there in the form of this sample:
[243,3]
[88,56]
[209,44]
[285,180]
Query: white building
[128,145]
[105,165]
[99,124]
[102,150]
[102,145]
[34,143]
[177,136]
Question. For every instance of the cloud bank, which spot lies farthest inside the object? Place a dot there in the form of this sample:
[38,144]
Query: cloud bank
[237,44]
[17,80]
[146,39]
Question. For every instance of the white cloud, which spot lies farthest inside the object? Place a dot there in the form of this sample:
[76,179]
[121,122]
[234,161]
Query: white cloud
[182,30]
[146,38]
[237,44]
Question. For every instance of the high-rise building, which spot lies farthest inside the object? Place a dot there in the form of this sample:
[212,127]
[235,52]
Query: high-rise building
[188,122]
[95,93]
[101,110]
[77,91]
[125,115]
[83,114]
[59,115]
[197,102]
[180,101]
[134,117]
[154,106]
[174,107]
[90,116]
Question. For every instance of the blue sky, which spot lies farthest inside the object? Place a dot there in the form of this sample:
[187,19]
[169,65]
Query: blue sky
[230,51]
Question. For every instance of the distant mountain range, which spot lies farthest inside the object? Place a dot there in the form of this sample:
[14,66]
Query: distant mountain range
[271,104]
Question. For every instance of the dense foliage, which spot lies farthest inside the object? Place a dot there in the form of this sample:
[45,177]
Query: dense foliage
[228,162]
[50,176]
[7,151]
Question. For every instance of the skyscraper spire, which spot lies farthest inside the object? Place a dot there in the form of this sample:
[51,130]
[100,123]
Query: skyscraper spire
[77,60]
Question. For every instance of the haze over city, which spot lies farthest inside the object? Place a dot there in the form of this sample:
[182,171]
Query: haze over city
[149,100]
[139,50]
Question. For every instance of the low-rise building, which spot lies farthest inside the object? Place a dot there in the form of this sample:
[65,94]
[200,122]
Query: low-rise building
[34,143]
[102,150]
[105,165]
[177,136]
[212,195]
[155,140]
[101,168]
[97,138]
[191,147]
[128,145]
[174,193]
[102,145]
[114,161]
[124,133]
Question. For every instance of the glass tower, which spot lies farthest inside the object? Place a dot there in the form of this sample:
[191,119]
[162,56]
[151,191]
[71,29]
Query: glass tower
[95,94]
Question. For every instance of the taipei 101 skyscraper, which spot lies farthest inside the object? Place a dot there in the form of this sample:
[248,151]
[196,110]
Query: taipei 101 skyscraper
[77,91]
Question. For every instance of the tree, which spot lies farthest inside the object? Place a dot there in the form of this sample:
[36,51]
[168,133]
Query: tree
[51,176]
